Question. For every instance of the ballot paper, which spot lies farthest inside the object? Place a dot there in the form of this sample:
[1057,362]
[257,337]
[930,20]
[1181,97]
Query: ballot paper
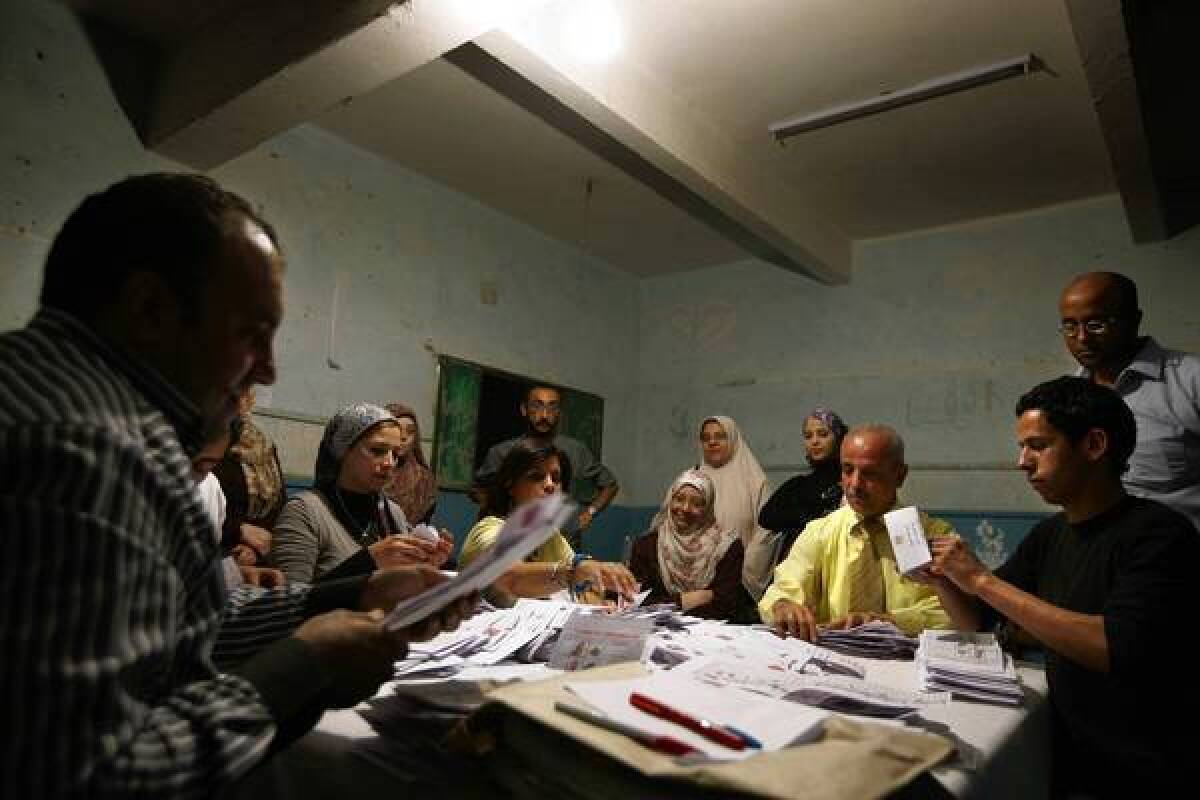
[908,538]
[841,693]
[774,723]
[874,639]
[426,532]
[526,529]
[969,665]
[848,695]
[751,676]
[597,640]
[733,642]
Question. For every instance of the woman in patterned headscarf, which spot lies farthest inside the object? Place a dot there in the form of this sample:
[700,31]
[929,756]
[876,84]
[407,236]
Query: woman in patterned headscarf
[252,481]
[807,497]
[413,486]
[687,558]
[345,525]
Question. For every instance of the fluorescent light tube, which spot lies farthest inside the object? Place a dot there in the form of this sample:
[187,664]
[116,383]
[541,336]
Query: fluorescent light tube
[947,84]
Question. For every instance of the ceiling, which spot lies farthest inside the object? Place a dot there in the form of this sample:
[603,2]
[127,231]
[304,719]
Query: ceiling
[658,159]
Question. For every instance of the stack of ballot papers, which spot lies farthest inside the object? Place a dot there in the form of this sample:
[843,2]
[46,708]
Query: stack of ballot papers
[876,639]
[969,665]
[488,638]
[756,643]
[842,693]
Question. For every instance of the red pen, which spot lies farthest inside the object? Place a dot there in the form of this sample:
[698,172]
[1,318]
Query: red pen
[663,744]
[701,726]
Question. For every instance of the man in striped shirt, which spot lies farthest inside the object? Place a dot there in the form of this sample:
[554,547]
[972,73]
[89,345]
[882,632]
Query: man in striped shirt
[160,300]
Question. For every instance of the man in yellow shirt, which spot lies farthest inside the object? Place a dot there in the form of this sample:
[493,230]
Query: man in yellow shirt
[841,572]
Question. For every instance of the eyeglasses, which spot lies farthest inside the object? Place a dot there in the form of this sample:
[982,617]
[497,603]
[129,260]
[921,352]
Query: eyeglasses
[537,406]
[1096,327]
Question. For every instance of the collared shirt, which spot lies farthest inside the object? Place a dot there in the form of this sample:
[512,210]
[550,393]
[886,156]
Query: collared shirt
[588,475]
[112,608]
[1162,389]
[817,570]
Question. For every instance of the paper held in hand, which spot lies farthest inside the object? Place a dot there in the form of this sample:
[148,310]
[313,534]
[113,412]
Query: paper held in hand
[524,531]
[908,539]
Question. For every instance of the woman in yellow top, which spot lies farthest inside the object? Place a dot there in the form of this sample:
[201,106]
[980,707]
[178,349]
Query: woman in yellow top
[534,469]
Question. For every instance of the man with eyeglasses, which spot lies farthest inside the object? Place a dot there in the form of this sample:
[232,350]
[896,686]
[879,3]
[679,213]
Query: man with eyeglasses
[1099,318]
[542,409]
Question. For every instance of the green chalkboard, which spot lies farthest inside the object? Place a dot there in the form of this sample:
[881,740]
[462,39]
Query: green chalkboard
[457,422]
[583,418]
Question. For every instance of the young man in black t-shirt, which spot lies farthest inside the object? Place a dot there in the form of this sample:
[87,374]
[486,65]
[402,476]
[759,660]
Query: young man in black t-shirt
[1104,586]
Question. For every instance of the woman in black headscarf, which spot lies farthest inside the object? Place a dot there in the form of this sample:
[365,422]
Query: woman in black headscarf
[807,497]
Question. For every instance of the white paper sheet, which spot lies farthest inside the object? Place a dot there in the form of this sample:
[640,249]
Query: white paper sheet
[775,723]
[524,531]
[908,538]
[597,640]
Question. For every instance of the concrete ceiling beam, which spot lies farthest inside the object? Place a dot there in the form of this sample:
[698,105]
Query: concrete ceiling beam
[1140,59]
[630,118]
[246,76]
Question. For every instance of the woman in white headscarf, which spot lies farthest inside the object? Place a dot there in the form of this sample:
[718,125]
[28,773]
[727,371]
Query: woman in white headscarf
[688,559]
[742,490]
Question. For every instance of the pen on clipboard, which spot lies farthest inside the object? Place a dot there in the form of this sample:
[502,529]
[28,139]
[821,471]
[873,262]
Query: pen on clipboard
[708,730]
[662,744]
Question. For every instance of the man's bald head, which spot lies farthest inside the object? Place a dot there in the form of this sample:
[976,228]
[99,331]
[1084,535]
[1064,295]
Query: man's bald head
[1117,290]
[1099,318]
[873,468]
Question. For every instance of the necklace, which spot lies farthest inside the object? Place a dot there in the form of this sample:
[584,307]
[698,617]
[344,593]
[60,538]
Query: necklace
[362,532]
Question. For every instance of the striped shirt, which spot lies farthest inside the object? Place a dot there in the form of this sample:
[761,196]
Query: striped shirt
[113,614]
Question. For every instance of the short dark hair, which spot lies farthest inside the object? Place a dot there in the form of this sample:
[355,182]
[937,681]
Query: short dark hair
[1075,406]
[526,453]
[533,387]
[168,224]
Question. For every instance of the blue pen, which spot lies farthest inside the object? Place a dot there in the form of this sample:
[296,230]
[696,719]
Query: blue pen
[750,741]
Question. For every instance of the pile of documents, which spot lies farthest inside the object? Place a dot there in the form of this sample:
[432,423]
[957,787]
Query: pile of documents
[488,638]
[876,639]
[845,694]
[969,665]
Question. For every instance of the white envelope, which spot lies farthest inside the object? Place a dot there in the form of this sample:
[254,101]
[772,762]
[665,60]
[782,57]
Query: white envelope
[908,538]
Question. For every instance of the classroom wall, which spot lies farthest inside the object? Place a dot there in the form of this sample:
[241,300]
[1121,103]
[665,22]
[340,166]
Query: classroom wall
[386,268]
[938,334]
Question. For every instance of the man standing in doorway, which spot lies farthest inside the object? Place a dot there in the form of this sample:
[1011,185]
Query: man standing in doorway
[591,484]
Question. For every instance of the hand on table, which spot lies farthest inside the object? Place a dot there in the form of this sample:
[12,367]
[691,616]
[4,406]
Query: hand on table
[794,619]
[605,576]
